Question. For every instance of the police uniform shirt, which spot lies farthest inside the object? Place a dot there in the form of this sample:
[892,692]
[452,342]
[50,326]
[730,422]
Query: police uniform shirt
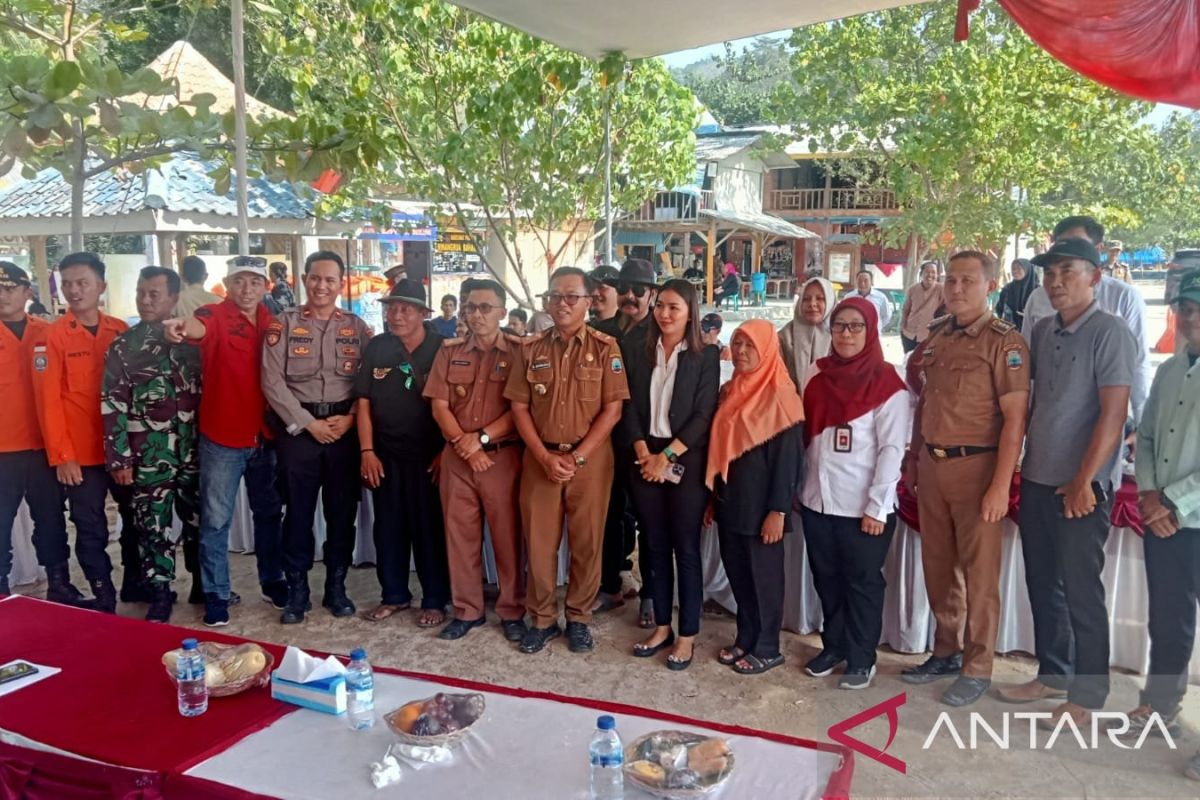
[966,371]
[472,380]
[310,360]
[393,379]
[566,383]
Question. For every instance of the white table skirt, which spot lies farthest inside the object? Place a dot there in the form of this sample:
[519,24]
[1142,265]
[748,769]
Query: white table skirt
[528,748]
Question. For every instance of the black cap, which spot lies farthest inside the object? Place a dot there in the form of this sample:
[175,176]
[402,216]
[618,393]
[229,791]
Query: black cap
[1189,287]
[606,273]
[638,270]
[711,322]
[12,276]
[408,291]
[1069,248]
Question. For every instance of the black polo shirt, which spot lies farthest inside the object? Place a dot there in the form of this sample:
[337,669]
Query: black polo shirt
[393,379]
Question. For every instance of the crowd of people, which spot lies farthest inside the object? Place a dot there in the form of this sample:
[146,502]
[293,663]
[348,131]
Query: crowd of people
[615,428]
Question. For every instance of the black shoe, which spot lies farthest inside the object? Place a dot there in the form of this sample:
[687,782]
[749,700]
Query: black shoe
[857,678]
[514,629]
[161,600]
[298,601]
[579,638]
[335,598]
[60,588]
[216,611]
[824,663]
[642,650]
[934,668]
[536,638]
[965,691]
[104,596]
[459,628]
[133,588]
[275,593]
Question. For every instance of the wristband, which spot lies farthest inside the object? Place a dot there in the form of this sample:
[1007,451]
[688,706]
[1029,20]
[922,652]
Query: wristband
[670,454]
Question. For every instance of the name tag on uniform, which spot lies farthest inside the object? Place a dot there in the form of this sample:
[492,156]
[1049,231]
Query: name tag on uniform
[843,439]
[460,363]
[541,363]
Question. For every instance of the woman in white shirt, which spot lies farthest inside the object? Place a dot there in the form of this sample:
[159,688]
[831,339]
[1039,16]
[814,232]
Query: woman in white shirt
[858,411]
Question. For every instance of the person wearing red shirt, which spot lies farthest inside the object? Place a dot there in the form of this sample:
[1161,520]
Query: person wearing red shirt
[234,440]
[68,393]
[25,474]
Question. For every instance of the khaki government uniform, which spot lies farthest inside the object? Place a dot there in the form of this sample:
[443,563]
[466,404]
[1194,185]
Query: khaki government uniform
[566,384]
[472,381]
[966,372]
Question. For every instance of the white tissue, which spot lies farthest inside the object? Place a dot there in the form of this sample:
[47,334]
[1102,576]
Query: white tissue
[300,667]
[427,754]
[386,772]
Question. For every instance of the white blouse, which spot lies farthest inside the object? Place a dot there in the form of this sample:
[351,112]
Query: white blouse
[856,475]
[662,389]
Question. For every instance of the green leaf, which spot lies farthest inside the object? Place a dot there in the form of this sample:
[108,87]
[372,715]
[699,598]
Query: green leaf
[62,80]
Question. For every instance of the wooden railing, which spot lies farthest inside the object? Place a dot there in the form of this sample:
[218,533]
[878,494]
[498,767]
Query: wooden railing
[863,199]
[668,206]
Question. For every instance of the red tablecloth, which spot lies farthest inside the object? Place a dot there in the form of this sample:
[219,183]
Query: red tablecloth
[113,701]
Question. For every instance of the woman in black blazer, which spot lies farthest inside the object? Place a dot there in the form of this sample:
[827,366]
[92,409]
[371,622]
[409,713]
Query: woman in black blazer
[673,382]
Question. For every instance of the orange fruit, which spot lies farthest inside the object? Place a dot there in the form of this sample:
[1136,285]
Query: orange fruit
[407,716]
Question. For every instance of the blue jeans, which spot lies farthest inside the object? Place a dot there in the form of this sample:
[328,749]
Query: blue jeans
[221,472]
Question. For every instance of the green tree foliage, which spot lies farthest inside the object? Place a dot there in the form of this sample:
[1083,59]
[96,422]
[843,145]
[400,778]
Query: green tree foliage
[500,129]
[980,139]
[1169,212]
[738,87]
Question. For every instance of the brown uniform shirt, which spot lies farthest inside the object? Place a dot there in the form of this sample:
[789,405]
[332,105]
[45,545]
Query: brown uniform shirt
[567,383]
[472,380]
[310,360]
[967,371]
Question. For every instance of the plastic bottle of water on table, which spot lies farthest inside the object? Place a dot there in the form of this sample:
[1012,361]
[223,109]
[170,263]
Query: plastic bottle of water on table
[608,758]
[189,675]
[360,691]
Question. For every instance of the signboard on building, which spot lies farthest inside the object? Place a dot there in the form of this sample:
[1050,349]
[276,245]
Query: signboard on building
[454,240]
[405,228]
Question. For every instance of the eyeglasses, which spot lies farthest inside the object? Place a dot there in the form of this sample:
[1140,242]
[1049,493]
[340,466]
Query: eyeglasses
[482,308]
[635,289]
[572,300]
[853,327]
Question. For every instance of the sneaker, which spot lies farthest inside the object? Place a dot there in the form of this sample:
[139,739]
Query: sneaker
[536,638]
[857,678]
[823,664]
[934,668]
[275,593]
[216,611]
[579,638]
[1139,721]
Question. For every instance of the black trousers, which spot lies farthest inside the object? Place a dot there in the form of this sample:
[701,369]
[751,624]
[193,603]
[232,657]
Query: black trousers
[91,524]
[305,467]
[1064,559]
[620,529]
[409,526]
[847,569]
[755,572]
[669,517]
[908,344]
[1173,578]
[26,475]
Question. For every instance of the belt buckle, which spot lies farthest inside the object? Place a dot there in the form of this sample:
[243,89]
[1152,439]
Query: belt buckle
[940,453]
[563,447]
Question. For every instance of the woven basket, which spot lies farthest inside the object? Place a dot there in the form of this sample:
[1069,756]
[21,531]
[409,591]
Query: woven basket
[211,651]
[448,740]
[633,752]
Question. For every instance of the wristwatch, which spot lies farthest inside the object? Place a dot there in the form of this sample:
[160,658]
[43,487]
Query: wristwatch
[580,461]
[670,454]
[484,439]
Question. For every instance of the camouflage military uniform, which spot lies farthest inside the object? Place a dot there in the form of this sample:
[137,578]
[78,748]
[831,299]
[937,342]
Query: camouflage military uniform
[149,400]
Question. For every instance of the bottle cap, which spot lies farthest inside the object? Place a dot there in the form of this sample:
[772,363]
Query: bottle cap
[606,723]
[358,654]
[189,644]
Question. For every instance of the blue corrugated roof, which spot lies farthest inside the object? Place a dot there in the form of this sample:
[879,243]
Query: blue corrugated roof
[182,185]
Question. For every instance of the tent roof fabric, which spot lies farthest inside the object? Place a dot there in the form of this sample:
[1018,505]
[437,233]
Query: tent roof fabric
[757,221]
[640,29]
[195,75]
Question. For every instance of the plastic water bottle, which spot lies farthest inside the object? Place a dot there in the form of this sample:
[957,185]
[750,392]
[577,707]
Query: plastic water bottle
[608,757]
[360,691]
[189,674]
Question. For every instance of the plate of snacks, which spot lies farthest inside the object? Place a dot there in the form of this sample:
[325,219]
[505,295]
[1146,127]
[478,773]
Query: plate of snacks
[228,668]
[443,720]
[678,764]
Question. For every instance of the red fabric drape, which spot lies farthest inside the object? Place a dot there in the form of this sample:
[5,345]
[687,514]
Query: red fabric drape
[1145,48]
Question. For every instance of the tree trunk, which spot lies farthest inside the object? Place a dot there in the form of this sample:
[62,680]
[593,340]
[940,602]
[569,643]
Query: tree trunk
[78,182]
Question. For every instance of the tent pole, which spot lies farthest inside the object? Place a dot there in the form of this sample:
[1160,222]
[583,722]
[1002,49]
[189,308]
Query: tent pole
[608,214]
[239,122]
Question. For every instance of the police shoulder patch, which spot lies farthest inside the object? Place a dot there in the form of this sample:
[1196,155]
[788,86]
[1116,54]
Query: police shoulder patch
[602,336]
[940,321]
[452,342]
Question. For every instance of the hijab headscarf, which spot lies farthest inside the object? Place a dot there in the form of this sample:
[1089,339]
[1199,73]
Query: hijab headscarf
[847,388]
[730,269]
[803,341]
[1016,292]
[755,406]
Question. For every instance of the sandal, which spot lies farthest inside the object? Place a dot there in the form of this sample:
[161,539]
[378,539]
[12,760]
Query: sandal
[431,618]
[756,665]
[384,610]
[607,602]
[730,655]
[646,615]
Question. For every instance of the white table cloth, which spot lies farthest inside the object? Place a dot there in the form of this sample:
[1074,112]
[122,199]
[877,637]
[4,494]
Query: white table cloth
[527,748]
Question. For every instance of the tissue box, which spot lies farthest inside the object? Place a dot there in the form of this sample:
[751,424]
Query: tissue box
[327,694]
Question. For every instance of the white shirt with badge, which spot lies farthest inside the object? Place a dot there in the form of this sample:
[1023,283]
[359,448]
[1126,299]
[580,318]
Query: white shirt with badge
[852,470]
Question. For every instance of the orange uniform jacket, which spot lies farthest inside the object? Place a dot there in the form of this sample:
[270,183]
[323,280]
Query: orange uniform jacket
[19,360]
[69,389]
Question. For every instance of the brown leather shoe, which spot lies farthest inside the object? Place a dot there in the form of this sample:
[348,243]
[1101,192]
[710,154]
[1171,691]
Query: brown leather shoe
[1029,692]
[1081,716]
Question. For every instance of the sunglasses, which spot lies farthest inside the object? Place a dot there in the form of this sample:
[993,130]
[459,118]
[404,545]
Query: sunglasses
[482,308]
[246,261]
[635,289]
[853,327]
[572,300]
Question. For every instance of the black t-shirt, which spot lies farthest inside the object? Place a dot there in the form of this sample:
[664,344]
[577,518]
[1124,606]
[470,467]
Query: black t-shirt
[393,381]
[93,329]
[18,327]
